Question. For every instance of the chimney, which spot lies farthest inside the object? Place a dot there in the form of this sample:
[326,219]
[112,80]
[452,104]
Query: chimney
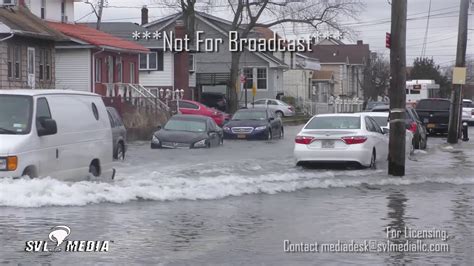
[144,15]
[360,42]
[181,63]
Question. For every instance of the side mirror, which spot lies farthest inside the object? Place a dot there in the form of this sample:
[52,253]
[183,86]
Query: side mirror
[385,131]
[47,127]
[158,127]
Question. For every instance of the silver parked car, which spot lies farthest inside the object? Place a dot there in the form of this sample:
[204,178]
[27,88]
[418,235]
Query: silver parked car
[119,133]
[279,107]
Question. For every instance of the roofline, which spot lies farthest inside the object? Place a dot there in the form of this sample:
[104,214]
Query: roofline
[30,92]
[172,19]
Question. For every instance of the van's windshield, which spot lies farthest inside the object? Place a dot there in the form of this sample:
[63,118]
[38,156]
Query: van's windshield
[15,114]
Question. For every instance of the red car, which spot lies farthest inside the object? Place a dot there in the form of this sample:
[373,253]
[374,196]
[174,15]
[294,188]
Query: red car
[188,107]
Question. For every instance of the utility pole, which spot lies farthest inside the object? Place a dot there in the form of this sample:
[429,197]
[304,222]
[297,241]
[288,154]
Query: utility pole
[396,157]
[99,13]
[456,93]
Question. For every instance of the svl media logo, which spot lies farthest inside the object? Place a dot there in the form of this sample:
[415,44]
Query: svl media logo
[59,235]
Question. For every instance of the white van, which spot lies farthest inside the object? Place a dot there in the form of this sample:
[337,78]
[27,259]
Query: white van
[57,133]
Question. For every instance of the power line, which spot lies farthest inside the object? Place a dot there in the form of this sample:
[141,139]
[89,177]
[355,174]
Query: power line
[423,50]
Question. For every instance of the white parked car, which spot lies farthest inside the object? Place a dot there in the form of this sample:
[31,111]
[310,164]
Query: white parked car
[382,120]
[467,111]
[279,107]
[57,133]
[341,138]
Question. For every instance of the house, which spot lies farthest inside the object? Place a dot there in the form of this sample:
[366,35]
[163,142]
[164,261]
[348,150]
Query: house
[156,68]
[297,79]
[211,70]
[346,61]
[26,50]
[52,10]
[322,86]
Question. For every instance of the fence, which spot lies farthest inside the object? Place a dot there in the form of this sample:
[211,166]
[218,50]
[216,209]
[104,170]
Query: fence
[335,106]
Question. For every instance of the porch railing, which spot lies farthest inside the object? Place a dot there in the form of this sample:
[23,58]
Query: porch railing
[136,94]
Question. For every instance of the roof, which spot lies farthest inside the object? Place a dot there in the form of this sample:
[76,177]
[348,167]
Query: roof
[124,31]
[221,25]
[97,38]
[354,54]
[323,75]
[20,21]
[30,92]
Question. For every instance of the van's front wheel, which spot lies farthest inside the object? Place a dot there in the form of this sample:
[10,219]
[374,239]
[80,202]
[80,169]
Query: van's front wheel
[29,172]
[94,169]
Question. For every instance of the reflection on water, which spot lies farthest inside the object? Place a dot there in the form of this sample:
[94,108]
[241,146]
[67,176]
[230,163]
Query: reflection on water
[396,217]
[185,229]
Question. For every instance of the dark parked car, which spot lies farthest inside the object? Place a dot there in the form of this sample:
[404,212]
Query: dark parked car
[412,123]
[215,100]
[119,133]
[255,123]
[371,104]
[188,131]
[434,113]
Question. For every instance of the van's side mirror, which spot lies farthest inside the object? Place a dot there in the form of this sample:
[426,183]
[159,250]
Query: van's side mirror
[385,131]
[47,127]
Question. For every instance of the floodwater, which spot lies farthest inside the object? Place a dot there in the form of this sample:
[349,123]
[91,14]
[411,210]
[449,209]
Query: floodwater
[237,204]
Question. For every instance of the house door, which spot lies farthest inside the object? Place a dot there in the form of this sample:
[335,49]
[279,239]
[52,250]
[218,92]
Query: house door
[31,67]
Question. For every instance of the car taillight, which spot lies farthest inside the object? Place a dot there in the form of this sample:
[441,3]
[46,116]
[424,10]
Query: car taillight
[303,140]
[290,108]
[354,140]
[472,112]
[413,127]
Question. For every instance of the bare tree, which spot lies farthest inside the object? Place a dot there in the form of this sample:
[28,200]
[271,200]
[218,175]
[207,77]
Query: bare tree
[97,8]
[376,77]
[248,14]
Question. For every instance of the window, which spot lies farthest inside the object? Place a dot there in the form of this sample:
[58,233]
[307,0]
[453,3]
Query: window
[272,102]
[248,73]
[132,73]
[17,56]
[261,78]
[10,62]
[47,62]
[42,112]
[119,70]
[63,11]
[31,60]
[260,102]
[187,105]
[41,63]
[98,70]
[43,9]
[149,61]
[369,125]
[191,62]
[334,122]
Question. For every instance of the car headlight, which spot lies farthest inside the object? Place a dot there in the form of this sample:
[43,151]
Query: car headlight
[226,128]
[260,128]
[200,144]
[9,163]
[155,140]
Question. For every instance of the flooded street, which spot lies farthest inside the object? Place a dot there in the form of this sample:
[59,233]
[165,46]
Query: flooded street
[237,204]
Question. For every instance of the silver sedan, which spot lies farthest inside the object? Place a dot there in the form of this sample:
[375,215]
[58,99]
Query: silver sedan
[279,107]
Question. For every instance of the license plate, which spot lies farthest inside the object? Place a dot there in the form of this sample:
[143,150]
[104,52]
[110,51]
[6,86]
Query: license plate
[327,144]
[241,136]
[431,126]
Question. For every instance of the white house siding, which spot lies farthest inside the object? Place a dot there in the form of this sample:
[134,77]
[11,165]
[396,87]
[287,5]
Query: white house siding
[156,79]
[297,84]
[73,69]
[53,9]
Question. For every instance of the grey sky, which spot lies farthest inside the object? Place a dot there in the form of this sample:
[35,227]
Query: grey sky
[374,22]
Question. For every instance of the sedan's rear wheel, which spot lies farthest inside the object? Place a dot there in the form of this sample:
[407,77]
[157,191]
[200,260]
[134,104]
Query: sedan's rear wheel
[279,114]
[373,164]
[120,152]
